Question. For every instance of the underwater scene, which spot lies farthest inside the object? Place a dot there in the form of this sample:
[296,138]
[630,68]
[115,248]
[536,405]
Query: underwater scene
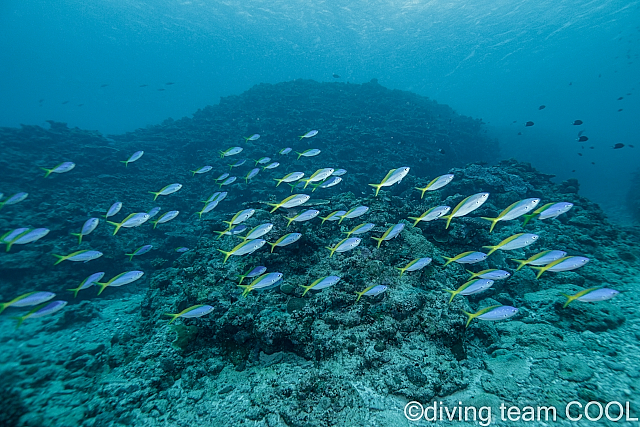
[365,213]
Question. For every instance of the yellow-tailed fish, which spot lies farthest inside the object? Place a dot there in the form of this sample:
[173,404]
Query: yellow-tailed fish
[193,311]
[61,168]
[290,177]
[591,295]
[303,216]
[285,240]
[415,265]
[87,283]
[436,184]
[469,257]
[371,291]
[266,281]
[471,287]
[120,280]
[344,245]
[541,258]
[41,311]
[360,229]
[169,189]
[78,256]
[491,273]
[466,206]
[494,312]
[290,202]
[319,175]
[391,233]
[431,214]
[514,211]
[246,247]
[516,241]
[333,216]
[550,210]
[28,299]
[132,220]
[87,228]
[392,177]
[321,283]
[563,264]
[135,156]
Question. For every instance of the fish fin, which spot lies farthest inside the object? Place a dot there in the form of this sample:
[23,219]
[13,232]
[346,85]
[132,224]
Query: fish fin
[493,221]
[103,286]
[422,191]
[290,221]
[453,294]
[331,249]
[156,194]
[118,225]
[60,258]
[306,289]
[3,306]
[173,317]
[273,246]
[521,263]
[279,181]
[402,270]
[79,237]
[448,218]
[379,240]
[275,205]
[75,291]
[473,275]
[20,319]
[449,261]
[471,317]
[540,270]
[226,255]
[417,220]
[126,162]
[570,298]
[359,295]
[130,256]
[377,187]
[48,172]
[492,249]
[527,218]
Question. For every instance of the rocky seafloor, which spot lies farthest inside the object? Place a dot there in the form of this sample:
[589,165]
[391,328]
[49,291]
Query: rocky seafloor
[276,358]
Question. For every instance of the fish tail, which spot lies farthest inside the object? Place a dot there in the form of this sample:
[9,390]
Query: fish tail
[79,237]
[570,298]
[417,220]
[9,244]
[103,286]
[60,258]
[275,206]
[130,256]
[226,255]
[273,246]
[221,154]
[173,317]
[199,215]
[118,225]
[359,295]
[527,218]
[422,190]
[377,187]
[1,205]
[279,181]
[155,224]
[379,240]
[472,274]
[75,291]
[402,270]
[521,263]
[3,306]
[453,294]
[449,261]
[470,316]
[540,270]
[20,319]
[126,162]
[492,249]
[156,194]
[47,172]
[331,249]
[306,182]
[348,233]
[306,289]
[290,221]
[299,154]
[448,218]
[493,221]
[246,290]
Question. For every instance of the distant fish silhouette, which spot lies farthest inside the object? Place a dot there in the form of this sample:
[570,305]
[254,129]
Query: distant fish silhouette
[519,133]
[583,139]
[515,121]
[621,98]
[161,89]
[104,85]
[618,145]
[41,101]
[335,76]
[620,109]
[580,154]
[632,146]
[65,102]
[542,107]
[143,85]
[169,83]
[528,124]
[80,105]
[577,122]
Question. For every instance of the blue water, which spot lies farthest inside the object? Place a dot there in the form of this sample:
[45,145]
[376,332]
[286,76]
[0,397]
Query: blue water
[494,60]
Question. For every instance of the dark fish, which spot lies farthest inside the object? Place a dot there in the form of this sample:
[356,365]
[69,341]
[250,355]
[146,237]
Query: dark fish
[570,83]
[619,109]
[41,101]
[169,83]
[618,145]
[519,133]
[599,75]
[542,107]
[583,139]
[528,124]
[621,98]
[632,146]
[65,102]
[593,163]
[592,147]
[143,85]
[80,105]
[104,85]
[441,151]
[577,122]
[515,121]
[573,170]
[160,89]
[335,76]
[580,154]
